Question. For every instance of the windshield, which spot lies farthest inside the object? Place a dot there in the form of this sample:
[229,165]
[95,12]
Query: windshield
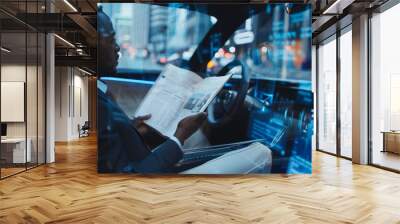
[150,36]
[273,44]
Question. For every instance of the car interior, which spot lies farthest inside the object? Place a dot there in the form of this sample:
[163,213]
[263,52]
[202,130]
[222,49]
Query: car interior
[255,104]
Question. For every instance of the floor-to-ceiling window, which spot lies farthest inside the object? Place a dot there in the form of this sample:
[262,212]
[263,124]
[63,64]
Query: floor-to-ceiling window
[345,92]
[314,89]
[385,89]
[327,95]
[22,88]
[334,93]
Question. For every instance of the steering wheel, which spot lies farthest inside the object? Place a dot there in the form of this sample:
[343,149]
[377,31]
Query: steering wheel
[228,101]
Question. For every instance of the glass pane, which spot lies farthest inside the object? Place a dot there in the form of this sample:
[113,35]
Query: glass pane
[41,99]
[32,88]
[346,94]
[385,86]
[327,97]
[31,100]
[13,87]
[22,82]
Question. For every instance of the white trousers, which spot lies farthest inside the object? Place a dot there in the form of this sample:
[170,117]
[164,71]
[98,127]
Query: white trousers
[255,158]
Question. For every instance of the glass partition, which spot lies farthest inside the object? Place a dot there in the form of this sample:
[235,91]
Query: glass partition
[22,90]
[31,100]
[41,96]
[13,105]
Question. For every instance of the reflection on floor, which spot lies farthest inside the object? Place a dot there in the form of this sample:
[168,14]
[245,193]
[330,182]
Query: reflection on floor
[386,159]
[14,169]
[10,171]
[346,152]
[71,191]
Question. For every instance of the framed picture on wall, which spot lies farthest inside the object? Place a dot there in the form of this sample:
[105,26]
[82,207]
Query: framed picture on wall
[204,88]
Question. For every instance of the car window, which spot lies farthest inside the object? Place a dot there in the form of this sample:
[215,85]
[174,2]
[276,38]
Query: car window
[150,36]
[273,44]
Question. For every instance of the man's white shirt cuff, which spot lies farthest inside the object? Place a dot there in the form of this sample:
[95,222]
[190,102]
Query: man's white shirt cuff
[173,138]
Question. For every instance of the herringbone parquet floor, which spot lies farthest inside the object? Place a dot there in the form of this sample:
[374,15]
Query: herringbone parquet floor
[71,191]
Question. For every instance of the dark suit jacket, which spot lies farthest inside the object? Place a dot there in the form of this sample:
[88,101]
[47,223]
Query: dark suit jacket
[122,149]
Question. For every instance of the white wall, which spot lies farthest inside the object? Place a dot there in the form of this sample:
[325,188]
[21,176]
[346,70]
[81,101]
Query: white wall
[81,107]
[61,103]
[71,102]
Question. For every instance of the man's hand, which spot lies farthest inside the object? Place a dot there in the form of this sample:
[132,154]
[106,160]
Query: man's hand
[189,125]
[143,118]
[139,124]
[150,136]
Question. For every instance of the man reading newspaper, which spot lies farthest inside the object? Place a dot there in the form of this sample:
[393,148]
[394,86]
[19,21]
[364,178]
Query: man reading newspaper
[121,145]
[176,94]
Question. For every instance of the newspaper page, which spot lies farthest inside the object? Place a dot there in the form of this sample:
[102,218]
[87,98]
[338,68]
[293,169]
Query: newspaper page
[166,98]
[176,94]
[199,98]
[204,92]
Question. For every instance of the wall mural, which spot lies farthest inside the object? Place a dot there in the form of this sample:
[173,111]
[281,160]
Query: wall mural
[204,88]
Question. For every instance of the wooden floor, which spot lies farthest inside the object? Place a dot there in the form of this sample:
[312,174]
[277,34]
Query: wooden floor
[71,191]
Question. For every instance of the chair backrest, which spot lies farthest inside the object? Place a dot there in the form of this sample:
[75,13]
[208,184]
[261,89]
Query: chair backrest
[86,125]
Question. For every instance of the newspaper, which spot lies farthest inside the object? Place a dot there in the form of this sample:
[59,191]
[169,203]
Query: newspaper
[176,94]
